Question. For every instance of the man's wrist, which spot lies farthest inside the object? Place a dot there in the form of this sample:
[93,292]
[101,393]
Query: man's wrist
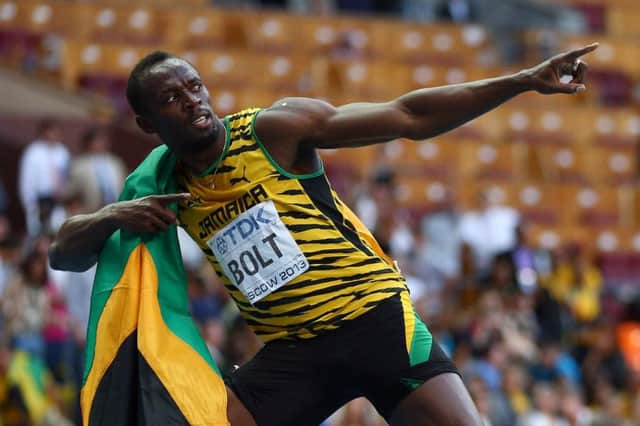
[524,80]
[109,216]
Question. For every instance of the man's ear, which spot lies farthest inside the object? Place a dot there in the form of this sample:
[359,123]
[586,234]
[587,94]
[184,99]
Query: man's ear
[144,124]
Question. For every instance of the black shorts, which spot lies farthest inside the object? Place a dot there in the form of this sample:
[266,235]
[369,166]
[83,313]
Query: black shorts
[382,355]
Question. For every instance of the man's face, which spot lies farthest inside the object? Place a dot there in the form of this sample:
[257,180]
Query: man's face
[177,107]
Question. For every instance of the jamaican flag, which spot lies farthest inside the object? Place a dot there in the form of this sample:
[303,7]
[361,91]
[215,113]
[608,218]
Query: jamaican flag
[146,362]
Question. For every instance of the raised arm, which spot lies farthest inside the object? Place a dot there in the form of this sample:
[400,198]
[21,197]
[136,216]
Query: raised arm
[80,239]
[419,114]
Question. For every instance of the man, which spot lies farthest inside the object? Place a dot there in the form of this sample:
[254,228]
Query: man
[306,274]
[43,175]
[97,174]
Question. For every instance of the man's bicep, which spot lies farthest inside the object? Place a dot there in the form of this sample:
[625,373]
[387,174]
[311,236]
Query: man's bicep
[362,123]
[317,124]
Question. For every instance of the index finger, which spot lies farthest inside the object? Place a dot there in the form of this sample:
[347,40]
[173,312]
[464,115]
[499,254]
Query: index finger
[576,53]
[171,198]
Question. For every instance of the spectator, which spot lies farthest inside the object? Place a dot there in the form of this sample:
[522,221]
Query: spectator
[25,305]
[455,10]
[439,253]
[56,335]
[4,200]
[378,210]
[97,175]
[554,365]
[489,230]
[546,406]
[577,283]
[43,177]
[573,408]
[9,251]
[515,385]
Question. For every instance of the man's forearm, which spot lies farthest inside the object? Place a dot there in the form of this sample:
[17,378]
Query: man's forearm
[440,109]
[80,240]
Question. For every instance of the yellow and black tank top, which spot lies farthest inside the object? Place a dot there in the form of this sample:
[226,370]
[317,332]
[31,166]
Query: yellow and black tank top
[294,257]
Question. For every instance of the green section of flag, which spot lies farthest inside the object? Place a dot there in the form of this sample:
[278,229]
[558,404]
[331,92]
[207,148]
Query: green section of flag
[154,176]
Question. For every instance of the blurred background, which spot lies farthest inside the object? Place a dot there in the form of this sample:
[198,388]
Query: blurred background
[519,232]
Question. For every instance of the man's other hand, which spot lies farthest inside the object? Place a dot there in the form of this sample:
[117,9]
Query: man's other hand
[546,77]
[147,214]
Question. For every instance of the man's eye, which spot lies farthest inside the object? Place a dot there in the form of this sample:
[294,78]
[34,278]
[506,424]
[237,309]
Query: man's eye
[197,87]
[171,98]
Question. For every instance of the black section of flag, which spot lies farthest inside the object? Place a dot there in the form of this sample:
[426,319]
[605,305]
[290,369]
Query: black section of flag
[131,394]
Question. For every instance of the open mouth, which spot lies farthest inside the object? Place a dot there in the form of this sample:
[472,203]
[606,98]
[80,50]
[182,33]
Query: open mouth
[202,121]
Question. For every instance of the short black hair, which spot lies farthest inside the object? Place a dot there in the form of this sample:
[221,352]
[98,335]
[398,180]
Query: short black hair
[135,94]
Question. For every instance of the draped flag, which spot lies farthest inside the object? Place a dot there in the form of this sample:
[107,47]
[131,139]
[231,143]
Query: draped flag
[146,362]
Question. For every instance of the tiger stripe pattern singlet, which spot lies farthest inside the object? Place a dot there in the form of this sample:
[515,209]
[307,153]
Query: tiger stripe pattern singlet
[306,262]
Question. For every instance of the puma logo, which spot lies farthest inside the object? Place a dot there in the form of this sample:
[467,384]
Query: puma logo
[233,181]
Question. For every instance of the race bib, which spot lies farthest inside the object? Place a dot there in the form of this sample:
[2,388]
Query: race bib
[257,252]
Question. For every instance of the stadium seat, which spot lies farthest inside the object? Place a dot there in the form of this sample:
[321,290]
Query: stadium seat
[203,28]
[88,61]
[537,202]
[545,125]
[434,158]
[492,161]
[130,24]
[442,44]
[270,32]
[362,79]
[284,73]
[467,193]
[614,165]
[38,16]
[555,237]
[222,68]
[618,254]
[595,206]
[615,127]
[336,37]
[420,195]
[564,164]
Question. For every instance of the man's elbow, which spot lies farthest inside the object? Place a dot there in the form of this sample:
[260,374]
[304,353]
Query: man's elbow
[61,262]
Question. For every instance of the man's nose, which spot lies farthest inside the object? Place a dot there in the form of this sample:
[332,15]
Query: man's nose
[192,100]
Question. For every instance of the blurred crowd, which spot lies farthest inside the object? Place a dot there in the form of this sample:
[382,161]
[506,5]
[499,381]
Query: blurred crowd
[532,332]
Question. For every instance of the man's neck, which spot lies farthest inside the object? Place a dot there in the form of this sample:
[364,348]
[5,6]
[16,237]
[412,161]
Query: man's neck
[200,161]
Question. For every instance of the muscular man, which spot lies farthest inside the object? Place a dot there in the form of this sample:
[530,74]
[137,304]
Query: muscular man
[332,309]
